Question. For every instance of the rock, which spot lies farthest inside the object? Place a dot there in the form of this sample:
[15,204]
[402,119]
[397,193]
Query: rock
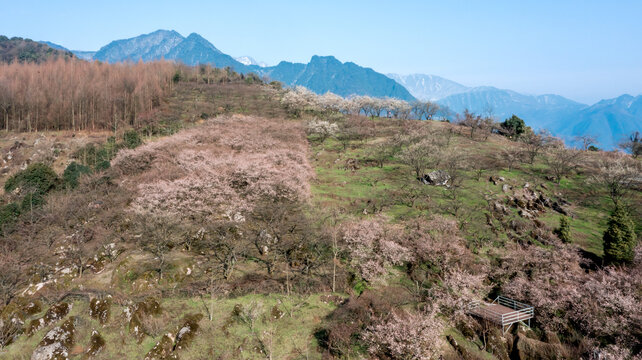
[351,164]
[57,343]
[436,178]
[100,309]
[557,207]
[55,313]
[332,299]
[465,354]
[276,313]
[501,178]
[136,328]
[187,332]
[506,187]
[500,208]
[163,350]
[95,204]
[528,349]
[96,344]
[497,344]
[526,214]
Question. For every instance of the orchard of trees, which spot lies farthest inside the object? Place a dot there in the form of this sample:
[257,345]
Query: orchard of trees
[78,95]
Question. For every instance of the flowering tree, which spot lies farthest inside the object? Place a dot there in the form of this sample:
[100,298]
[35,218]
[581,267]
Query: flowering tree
[373,244]
[322,129]
[218,171]
[406,336]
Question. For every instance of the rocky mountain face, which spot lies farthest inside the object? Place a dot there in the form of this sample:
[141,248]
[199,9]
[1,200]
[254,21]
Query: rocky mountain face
[152,46]
[326,73]
[428,87]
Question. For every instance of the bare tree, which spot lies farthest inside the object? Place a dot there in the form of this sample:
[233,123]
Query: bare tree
[535,143]
[158,236]
[633,144]
[9,276]
[562,161]
[511,156]
[618,176]
[418,156]
[586,141]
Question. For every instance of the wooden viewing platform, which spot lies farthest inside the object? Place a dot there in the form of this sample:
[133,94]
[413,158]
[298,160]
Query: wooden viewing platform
[503,311]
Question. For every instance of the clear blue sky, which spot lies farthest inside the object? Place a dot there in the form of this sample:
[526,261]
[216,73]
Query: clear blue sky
[585,50]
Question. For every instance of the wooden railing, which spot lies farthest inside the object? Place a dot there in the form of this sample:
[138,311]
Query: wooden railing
[521,313]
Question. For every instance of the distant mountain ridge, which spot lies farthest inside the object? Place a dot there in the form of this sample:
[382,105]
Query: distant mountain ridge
[321,74]
[326,73]
[610,120]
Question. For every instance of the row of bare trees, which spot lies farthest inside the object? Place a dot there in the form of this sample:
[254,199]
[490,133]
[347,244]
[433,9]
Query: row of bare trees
[78,95]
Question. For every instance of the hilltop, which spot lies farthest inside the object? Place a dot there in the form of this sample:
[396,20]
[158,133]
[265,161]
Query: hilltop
[27,50]
[218,216]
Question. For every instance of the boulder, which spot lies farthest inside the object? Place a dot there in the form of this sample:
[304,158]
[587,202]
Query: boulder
[187,332]
[163,350]
[506,188]
[436,178]
[55,313]
[96,344]
[529,349]
[557,207]
[56,343]
[99,309]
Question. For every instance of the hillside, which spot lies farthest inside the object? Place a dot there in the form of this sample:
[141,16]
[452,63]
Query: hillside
[27,50]
[225,223]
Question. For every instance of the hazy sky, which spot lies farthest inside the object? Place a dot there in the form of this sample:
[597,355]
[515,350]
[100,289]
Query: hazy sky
[584,50]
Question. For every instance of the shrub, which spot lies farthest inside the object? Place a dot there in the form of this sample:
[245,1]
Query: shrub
[619,238]
[563,232]
[36,178]
[132,139]
[72,173]
[8,214]
[514,125]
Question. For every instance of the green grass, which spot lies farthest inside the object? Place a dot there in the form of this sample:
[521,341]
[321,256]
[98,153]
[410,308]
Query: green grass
[223,336]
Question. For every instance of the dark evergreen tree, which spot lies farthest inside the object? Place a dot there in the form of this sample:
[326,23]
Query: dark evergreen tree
[564,231]
[514,125]
[619,238]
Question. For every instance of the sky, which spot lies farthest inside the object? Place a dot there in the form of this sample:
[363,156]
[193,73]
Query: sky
[584,50]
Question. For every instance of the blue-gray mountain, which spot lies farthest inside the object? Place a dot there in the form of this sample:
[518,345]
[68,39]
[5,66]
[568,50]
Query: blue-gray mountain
[608,120]
[326,73]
